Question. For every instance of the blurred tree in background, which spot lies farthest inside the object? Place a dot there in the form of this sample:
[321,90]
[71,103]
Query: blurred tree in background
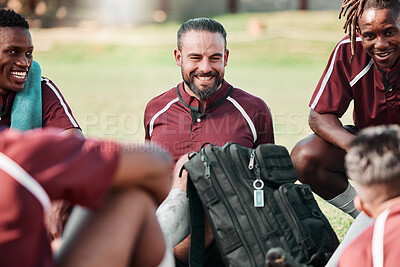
[41,13]
[303,4]
[52,13]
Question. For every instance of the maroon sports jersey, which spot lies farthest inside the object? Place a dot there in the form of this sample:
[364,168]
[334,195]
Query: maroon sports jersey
[56,112]
[359,252]
[375,91]
[70,168]
[172,121]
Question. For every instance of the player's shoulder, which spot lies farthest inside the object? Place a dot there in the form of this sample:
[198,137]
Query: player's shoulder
[346,42]
[358,250]
[160,101]
[342,54]
[46,82]
[343,48]
[247,99]
[48,86]
[164,97]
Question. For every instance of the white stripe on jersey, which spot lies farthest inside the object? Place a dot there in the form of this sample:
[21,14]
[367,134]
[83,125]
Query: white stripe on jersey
[246,116]
[330,70]
[164,109]
[362,73]
[21,176]
[61,102]
[377,239]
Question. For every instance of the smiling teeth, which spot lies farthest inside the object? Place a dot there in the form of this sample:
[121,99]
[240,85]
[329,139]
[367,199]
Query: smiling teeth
[204,78]
[19,75]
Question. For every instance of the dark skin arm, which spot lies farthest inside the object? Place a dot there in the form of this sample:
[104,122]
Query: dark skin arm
[329,128]
[145,166]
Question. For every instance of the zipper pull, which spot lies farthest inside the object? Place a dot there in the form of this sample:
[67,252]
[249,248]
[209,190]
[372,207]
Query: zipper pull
[207,171]
[204,159]
[252,158]
[257,171]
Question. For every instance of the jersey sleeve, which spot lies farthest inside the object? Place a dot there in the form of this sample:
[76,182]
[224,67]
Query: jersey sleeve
[146,121]
[56,112]
[264,126]
[358,252]
[67,167]
[333,93]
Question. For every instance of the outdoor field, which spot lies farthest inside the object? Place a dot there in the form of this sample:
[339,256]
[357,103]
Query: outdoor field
[108,75]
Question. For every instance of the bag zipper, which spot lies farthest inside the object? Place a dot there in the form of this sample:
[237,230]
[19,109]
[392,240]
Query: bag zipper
[253,165]
[252,159]
[206,163]
[260,242]
[230,212]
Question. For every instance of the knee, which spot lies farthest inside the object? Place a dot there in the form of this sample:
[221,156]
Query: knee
[132,202]
[306,162]
[140,199]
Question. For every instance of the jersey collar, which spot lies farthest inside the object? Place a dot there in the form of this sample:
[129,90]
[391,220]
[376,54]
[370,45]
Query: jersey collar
[193,102]
[390,72]
[6,103]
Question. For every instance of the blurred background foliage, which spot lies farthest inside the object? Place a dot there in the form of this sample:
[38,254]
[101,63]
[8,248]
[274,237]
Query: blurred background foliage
[127,13]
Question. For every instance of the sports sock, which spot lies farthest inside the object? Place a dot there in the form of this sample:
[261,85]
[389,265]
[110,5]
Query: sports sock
[344,201]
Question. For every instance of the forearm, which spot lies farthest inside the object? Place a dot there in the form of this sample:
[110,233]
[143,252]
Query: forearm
[73,131]
[145,166]
[329,127]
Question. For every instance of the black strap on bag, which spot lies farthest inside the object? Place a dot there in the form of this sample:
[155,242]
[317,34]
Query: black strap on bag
[197,243]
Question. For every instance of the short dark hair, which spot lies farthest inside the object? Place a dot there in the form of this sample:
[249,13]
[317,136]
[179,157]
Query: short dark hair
[10,18]
[200,24]
[374,156]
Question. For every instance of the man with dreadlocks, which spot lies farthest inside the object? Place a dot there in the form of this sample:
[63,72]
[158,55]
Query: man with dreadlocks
[363,67]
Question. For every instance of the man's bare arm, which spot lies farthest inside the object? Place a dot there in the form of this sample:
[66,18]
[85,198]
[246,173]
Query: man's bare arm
[146,166]
[329,128]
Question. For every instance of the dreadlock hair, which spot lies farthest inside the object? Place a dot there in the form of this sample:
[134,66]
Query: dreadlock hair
[201,24]
[354,10]
[9,18]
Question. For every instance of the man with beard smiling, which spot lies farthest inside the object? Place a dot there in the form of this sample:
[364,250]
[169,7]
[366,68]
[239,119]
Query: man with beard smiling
[204,108]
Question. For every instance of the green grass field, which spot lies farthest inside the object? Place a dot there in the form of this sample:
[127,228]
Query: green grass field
[108,75]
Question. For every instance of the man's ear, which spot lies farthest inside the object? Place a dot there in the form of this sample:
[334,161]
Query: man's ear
[226,55]
[358,30]
[362,206]
[178,57]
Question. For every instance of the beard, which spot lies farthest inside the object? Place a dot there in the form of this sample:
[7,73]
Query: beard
[205,92]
